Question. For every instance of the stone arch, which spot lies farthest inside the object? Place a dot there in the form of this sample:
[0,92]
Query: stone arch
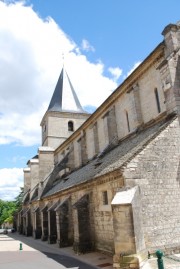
[82,230]
[70,126]
[63,220]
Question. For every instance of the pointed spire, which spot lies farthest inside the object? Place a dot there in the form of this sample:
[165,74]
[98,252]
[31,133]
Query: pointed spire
[64,98]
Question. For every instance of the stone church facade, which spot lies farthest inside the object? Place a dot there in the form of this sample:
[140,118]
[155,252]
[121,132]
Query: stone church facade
[110,181]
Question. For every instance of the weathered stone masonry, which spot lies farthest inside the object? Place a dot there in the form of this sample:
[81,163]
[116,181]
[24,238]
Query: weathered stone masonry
[156,171]
[110,181]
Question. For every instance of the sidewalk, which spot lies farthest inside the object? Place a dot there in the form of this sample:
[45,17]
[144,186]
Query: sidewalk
[11,243]
[168,263]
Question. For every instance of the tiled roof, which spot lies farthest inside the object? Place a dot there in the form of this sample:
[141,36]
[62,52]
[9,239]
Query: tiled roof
[110,161]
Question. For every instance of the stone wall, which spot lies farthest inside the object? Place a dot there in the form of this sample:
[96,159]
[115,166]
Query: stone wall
[147,84]
[101,135]
[34,172]
[103,225]
[156,171]
[170,69]
[46,162]
[27,179]
[57,127]
[101,233]
[90,144]
[139,102]
[121,106]
[77,153]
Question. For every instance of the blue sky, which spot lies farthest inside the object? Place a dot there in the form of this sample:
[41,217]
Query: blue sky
[122,31]
[102,42]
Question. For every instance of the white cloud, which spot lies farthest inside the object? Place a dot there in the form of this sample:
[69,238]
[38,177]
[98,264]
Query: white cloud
[87,46]
[133,68]
[11,179]
[18,158]
[30,62]
[116,72]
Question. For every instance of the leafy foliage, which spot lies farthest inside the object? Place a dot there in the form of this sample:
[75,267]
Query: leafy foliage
[19,198]
[8,208]
[6,211]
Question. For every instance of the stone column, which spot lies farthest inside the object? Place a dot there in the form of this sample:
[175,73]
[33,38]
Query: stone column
[46,164]
[52,230]
[23,225]
[112,126]
[27,179]
[44,225]
[96,138]
[20,222]
[28,223]
[34,224]
[76,230]
[64,227]
[34,174]
[37,229]
[137,113]
[82,229]
[58,227]
[170,68]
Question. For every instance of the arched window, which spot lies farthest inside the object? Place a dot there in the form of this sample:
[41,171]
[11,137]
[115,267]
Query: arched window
[157,100]
[70,126]
[127,119]
[105,197]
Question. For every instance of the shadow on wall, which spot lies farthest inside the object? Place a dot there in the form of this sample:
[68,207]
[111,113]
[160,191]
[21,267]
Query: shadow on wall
[178,172]
[177,88]
[177,85]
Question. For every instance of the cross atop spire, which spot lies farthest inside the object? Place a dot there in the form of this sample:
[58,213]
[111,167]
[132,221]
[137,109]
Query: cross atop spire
[64,98]
[63,59]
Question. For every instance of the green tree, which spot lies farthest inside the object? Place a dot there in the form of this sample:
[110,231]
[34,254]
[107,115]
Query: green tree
[8,208]
[19,198]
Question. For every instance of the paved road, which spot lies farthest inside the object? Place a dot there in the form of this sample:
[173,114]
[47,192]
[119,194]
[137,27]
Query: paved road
[35,254]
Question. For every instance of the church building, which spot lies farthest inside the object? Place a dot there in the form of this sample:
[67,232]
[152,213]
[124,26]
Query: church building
[110,181]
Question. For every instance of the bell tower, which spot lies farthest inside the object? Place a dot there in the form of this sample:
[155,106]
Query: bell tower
[64,114]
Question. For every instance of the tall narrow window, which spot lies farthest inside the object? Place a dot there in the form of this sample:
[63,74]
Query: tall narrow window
[79,151]
[43,132]
[157,100]
[127,119]
[105,197]
[96,138]
[70,126]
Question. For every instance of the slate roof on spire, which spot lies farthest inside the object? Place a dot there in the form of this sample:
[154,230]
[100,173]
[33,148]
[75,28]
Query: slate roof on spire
[64,98]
